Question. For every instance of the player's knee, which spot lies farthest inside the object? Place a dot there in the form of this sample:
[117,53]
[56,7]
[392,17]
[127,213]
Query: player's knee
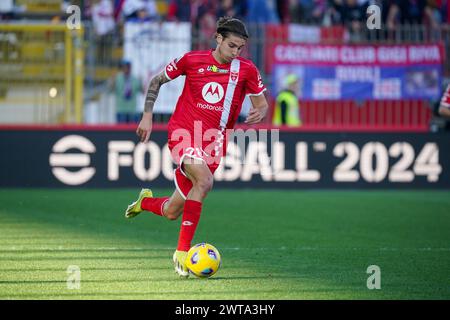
[173,212]
[204,184]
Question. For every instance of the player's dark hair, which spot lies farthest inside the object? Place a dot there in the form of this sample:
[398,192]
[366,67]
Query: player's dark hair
[230,25]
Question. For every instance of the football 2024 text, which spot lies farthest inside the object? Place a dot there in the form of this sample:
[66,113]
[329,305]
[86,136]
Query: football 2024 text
[350,160]
[304,161]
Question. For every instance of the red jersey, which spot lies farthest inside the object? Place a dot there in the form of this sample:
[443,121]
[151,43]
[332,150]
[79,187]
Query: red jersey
[445,101]
[213,92]
[210,102]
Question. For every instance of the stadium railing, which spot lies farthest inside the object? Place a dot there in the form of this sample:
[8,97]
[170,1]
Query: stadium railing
[41,73]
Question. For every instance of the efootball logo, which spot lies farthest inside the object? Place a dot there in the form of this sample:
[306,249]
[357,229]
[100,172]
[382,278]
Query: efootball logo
[212,92]
[60,160]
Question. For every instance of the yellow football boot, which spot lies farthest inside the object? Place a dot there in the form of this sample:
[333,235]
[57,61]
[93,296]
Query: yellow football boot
[135,208]
[179,258]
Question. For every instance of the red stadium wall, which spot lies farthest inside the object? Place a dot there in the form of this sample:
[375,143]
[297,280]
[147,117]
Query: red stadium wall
[383,115]
[373,115]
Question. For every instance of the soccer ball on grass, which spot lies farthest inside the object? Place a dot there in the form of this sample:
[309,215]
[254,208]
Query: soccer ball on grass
[203,260]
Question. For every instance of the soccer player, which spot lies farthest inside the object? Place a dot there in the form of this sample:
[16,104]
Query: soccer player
[444,107]
[216,84]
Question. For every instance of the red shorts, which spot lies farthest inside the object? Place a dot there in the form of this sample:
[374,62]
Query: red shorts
[209,152]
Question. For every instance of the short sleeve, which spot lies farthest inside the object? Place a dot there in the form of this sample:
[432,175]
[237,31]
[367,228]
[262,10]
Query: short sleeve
[445,101]
[176,68]
[255,86]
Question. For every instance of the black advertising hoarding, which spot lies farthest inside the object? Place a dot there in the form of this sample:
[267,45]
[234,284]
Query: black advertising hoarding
[267,159]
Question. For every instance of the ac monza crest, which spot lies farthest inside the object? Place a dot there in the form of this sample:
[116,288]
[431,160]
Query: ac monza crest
[234,76]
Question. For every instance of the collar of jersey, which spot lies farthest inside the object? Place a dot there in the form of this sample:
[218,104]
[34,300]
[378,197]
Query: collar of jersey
[217,62]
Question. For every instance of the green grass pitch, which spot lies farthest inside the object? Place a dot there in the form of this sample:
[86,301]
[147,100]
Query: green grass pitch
[274,245]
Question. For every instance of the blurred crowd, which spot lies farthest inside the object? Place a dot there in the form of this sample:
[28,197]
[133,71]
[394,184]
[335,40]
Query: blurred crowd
[106,14]
[204,13]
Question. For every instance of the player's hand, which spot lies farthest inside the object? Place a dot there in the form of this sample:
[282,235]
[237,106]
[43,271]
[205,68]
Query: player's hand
[256,115]
[145,128]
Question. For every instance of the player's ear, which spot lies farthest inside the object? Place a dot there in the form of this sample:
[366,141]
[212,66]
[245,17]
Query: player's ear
[219,39]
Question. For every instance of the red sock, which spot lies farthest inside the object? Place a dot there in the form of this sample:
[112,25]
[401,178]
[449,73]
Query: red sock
[191,216]
[154,205]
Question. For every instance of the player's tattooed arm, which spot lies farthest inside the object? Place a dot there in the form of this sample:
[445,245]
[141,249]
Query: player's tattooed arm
[153,91]
[145,125]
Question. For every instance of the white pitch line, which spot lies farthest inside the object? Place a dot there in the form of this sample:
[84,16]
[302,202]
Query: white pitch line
[63,248]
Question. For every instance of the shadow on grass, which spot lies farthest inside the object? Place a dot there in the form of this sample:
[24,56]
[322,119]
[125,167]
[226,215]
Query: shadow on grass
[149,279]
[193,293]
[15,258]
